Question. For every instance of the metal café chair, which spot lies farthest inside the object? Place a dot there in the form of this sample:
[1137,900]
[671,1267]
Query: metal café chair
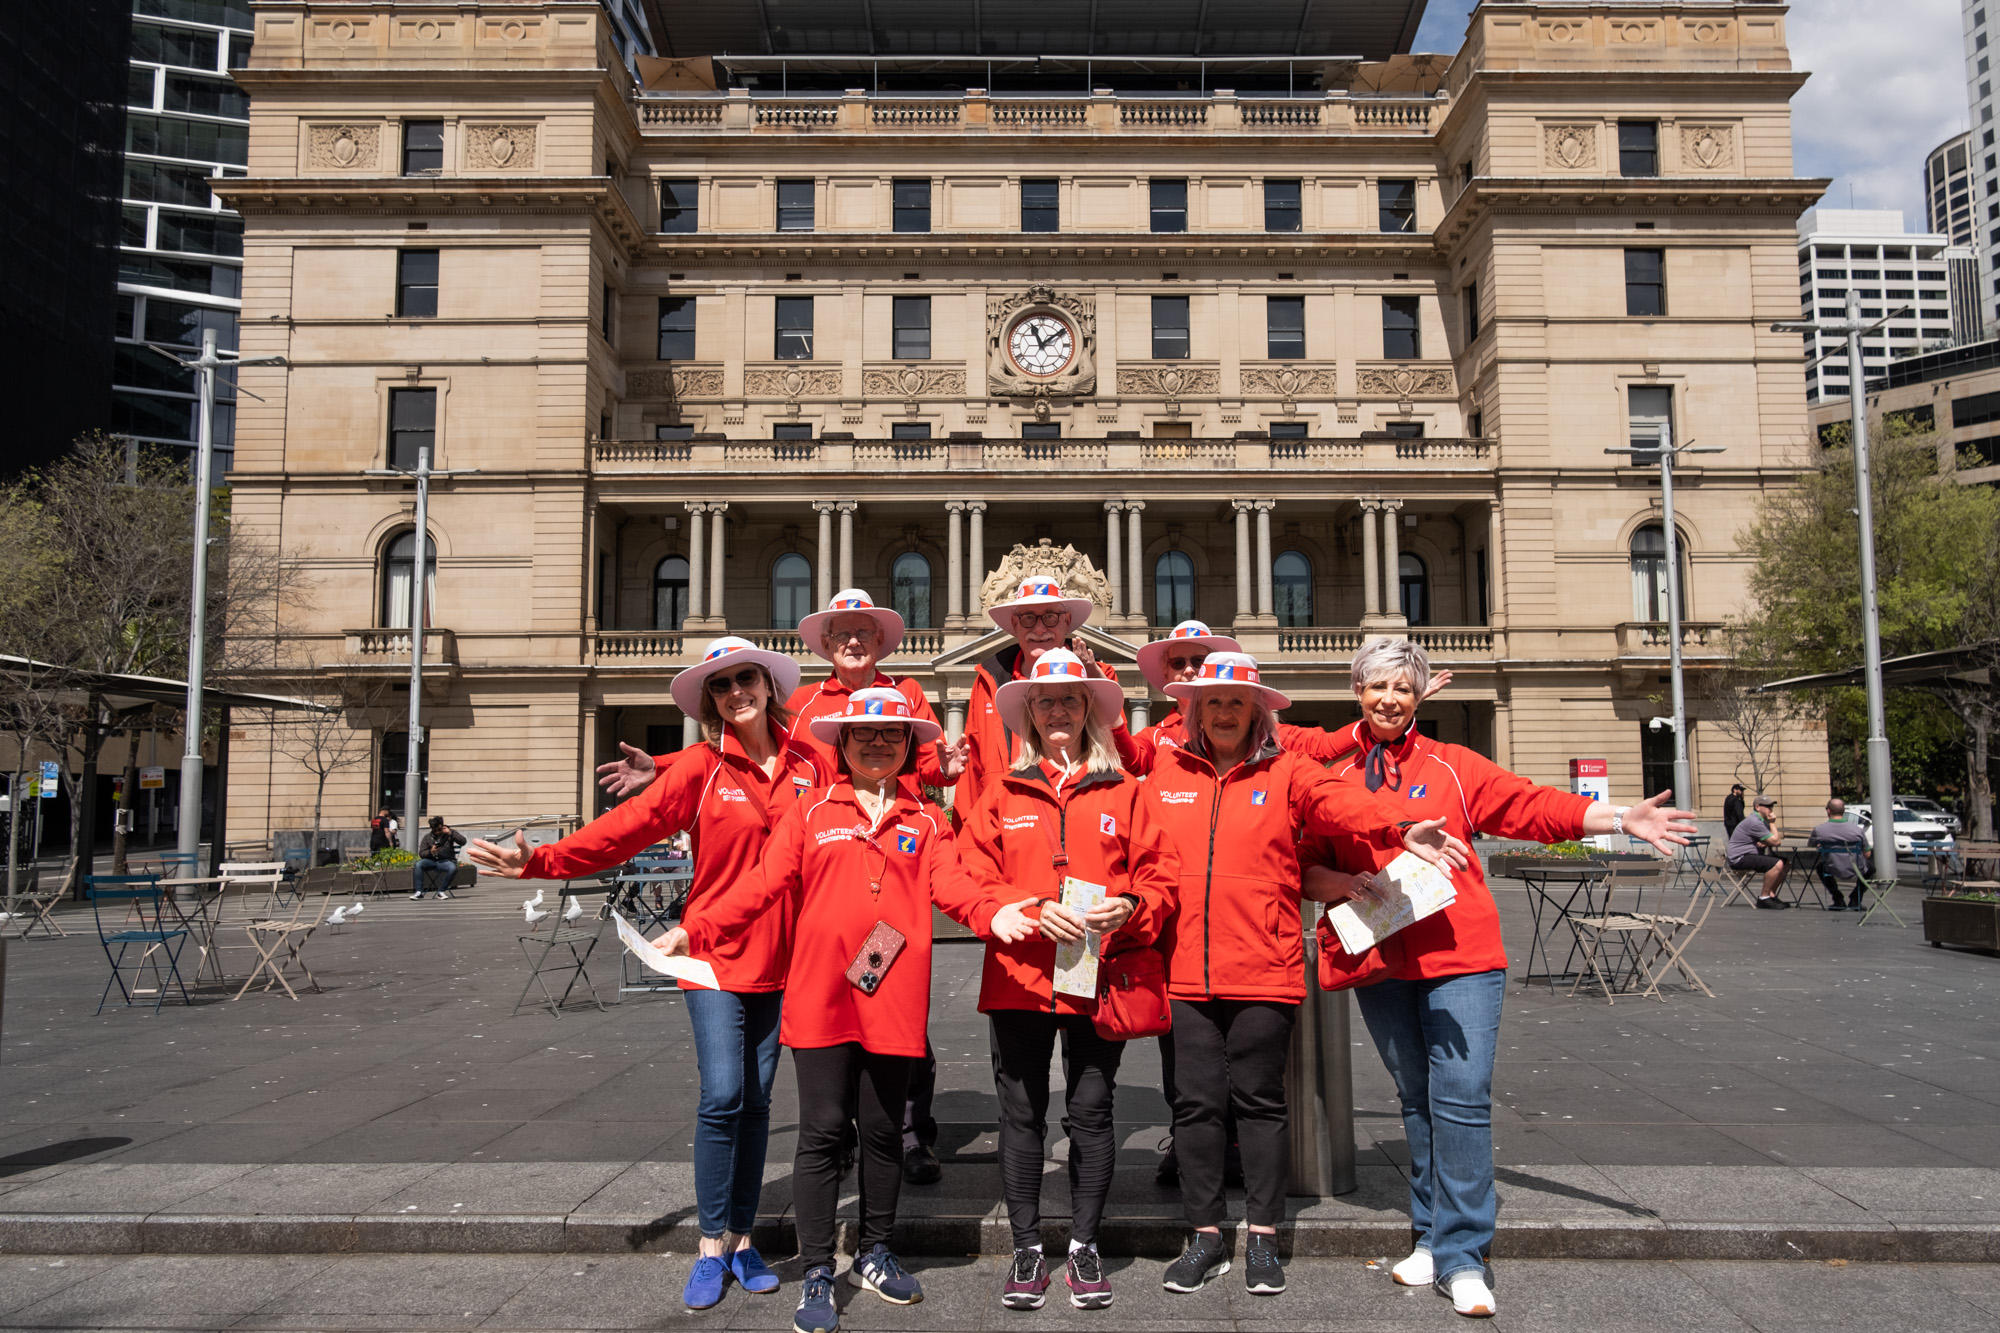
[290,933]
[1630,931]
[33,906]
[579,944]
[1671,937]
[144,899]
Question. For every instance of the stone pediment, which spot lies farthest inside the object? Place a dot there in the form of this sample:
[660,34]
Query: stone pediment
[1108,647]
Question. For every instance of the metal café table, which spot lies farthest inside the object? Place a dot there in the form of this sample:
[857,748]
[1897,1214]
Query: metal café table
[201,912]
[1555,894]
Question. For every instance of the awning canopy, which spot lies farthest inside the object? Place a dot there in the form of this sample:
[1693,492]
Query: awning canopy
[1965,665]
[123,691]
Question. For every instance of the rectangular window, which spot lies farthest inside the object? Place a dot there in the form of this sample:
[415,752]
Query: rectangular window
[680,212]
[912,321]
[417,283]
[1396,205]
[909,430]
[1638,147]
[681,432]
[1977,410]
[1285,327]
[1646,283]
[1170,328]
[1651,409]
[174,46]
[423,147]
[412,425]
[795,205]
[1281,206]
[1402,340]
[1917,419]
[1169,205]
[1041,430]
[1472,312]
[1040,211]
[795,329]
[606,319]
[205,97]
[792,430]
[1407,430]
[676,328]
[199,233]
[913,206]
[1288,430]
[195,140]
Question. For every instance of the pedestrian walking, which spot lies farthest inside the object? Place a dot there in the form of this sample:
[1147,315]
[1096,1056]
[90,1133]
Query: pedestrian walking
[437,851]
[1435,1014]
[382,830]
[858,866]
[726,793]
[1233,803]
[1067,813]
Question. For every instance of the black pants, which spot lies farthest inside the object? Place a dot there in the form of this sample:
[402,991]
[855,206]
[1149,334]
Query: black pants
[1167,1087]
[1023,1040]
[1232,1053]
[919,1125]
[838,1084]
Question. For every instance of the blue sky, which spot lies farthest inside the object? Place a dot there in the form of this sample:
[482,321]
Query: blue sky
[1888,84]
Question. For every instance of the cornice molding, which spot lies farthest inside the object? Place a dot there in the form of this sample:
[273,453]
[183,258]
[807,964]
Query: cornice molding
[1781,196]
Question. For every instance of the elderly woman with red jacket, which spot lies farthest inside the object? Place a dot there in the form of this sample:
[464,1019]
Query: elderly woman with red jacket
[1233,802]
[1435,1017]
[1066,812]
[857,865]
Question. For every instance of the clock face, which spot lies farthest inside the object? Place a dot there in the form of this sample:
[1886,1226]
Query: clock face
[1041,345]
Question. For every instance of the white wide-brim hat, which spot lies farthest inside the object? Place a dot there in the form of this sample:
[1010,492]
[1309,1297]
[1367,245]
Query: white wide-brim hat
[728,654]
[1188,634]
[1223,669]
[852,601]
[876,704]
[1058,666]
[1040,593]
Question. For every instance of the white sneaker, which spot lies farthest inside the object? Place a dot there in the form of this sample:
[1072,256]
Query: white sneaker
[1471,1296]
[1415,1271]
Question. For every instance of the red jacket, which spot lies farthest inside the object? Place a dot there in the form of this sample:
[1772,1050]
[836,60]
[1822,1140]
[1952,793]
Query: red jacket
[830,696]
[1469,792]
[1236,933]
[730,806]
[1171,731]
[819,869]
[1109,837]
[993,751]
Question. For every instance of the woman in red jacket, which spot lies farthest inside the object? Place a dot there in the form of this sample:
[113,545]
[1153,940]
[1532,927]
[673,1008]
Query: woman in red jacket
[1067,812]
[858,865]
[1233,802]
[728,791]
[1436,1019]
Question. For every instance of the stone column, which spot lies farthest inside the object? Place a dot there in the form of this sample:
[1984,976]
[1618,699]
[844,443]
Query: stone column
[954,719]
[716,559]
[697,562]
[1392,558]
[1114,556]
[955,584]
[1135,561]
[587,788]
[847,508]
[690,732]
[1244,608]
[1264,508]
[823,570]
[1371,562]
[1496,581]
[1141,711]
[975,564]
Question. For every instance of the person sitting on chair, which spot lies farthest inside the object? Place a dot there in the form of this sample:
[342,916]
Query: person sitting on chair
[437,851]
[1845,855]
[1750,849]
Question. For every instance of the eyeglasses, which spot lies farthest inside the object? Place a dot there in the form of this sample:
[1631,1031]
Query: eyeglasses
[1186,663]
[1070,703]
[1046,619]
[719,684]
[895,735]
[865,633]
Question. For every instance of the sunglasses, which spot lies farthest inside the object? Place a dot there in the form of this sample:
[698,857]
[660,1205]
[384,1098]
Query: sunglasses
[719,684]
[1070,703]
[1186,663]
[895,735]
[1046,619]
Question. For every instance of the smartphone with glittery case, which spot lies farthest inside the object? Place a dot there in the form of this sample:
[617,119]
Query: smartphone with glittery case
[877,954]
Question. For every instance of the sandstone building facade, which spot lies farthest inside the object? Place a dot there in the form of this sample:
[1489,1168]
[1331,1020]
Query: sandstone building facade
[1332,355]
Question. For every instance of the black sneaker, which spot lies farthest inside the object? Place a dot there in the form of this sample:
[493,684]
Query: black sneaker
[1204,1258]
[1772,904]
[1263,1275]
[1027,1281]
[921,1167]
[817,1312]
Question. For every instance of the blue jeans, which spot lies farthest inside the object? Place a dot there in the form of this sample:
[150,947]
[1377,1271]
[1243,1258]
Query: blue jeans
[1437,1037]
[444,871]
[736,1048]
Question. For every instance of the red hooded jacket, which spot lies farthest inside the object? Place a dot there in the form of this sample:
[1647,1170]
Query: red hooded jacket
[830,696]
[1236,934]
[1170,732]
[1470,793]
[821,869]
[730,808]
[1107,833]
[993,750]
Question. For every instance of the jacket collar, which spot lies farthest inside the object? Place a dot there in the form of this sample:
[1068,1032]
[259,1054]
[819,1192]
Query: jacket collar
[1002,665]
[832,685]
[1031,775]
[1196,751]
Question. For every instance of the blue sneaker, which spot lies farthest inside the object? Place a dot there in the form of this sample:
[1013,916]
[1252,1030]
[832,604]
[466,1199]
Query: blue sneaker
[706,1283]
[817,1313]
[880,1272]
[752,1273]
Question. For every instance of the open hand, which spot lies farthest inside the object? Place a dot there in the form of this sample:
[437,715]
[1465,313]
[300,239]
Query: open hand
[1650,821]
[1011,924]
[952,757]
[1429,840]
[1439,679]
[494,859]
[622,777]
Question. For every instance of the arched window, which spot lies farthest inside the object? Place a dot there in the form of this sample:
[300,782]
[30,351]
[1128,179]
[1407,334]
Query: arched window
[1415,582]
[670,593]
[910,589]
[398,567]
[791,590]
[1649,574]
[1173,588]
[1292,589]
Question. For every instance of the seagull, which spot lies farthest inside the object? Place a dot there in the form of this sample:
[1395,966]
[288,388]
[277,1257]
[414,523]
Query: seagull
[338,917]
[531,904]
[528,910]
[354,910]
[575,910]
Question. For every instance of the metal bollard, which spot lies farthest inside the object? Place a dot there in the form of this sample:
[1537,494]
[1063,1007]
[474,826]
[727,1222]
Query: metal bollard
[1319,1083]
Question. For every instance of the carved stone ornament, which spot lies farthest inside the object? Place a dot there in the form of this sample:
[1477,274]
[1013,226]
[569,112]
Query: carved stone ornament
[1003,311]
[499,147]
[1169,382]
[1570,147]
[343,147]
[912,382]
[1407,382]
[1287,381]
[791,384]
[1066,565]
[673,383]
[1707,147]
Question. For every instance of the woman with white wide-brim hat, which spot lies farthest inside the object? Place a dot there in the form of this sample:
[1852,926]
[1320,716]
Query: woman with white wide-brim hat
[728,793]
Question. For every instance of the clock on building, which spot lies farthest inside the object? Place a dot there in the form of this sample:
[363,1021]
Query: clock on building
[1041,344]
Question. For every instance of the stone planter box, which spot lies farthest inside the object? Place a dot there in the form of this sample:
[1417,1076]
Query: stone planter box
[1962,921]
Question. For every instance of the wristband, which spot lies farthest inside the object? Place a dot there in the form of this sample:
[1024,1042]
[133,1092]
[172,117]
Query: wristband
[1618,818]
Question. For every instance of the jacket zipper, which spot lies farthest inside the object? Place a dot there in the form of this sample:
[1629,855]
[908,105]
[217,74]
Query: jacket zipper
[1208,885]
[1062,841]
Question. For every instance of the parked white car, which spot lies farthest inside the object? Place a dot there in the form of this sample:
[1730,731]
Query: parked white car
[1932,811]
[1914,833]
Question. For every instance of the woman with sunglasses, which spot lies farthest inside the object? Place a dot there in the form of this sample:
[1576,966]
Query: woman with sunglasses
[728,793]
[858,866]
